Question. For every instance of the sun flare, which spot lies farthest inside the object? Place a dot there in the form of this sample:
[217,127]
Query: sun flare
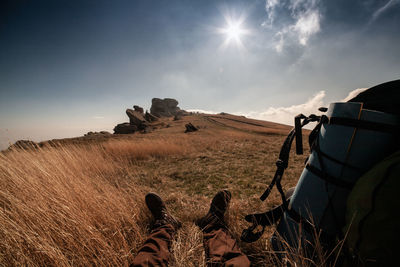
[234,32]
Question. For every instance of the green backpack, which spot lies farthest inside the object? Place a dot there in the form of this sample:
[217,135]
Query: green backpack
[372,215]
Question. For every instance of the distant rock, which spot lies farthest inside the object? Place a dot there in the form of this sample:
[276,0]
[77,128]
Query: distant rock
[150,118]
[166,107]
[24,144]
[190,128]
[135,117]
[143,122]
[102,133]
[125,128]
[138,109]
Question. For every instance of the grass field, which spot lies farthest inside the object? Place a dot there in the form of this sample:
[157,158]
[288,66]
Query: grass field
[82,203]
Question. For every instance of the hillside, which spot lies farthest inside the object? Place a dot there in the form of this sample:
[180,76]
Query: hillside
[80,201]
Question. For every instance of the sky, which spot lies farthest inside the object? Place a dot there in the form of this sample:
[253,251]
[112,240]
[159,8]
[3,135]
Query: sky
[68,67]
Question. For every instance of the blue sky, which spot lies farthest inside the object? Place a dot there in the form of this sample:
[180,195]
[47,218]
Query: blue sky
[68,67]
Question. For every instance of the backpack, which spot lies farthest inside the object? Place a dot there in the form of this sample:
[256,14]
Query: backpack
[349,139]
[372,215]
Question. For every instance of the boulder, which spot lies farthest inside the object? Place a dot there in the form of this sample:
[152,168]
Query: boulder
[166,107]
[97,133]
[135,117]
[190,128]
[24,144]
[150,118]
[138,109]
[125,128]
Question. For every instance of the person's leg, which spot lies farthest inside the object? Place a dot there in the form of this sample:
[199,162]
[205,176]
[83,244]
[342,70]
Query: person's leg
[155,250]
[221,248]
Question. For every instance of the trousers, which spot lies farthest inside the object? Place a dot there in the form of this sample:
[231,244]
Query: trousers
[220,247]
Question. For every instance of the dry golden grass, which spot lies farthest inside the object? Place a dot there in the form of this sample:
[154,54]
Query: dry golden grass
[82,204]
[145,149]
[250,125]
[60,206]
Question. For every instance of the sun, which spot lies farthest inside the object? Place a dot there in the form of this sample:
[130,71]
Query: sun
[234,31]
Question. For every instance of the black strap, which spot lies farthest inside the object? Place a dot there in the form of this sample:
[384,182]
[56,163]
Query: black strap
[366,125]
[282,164]
[329,178]
[318,150]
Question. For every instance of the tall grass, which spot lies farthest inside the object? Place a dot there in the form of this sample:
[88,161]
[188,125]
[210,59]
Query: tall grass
[63,206]
[146,148]
[79,205]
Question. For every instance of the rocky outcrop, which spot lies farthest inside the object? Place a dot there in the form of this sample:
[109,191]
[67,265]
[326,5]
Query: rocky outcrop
[24,144]
[150,118]
[140,121]
[135,117]
[97,133]
[166,107]
[138,109]
[125,128]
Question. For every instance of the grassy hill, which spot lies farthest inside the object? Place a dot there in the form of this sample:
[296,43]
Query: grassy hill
[80,201]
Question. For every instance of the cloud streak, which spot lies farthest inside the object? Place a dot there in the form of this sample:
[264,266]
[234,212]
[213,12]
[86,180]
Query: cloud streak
[381,10]
[305,21]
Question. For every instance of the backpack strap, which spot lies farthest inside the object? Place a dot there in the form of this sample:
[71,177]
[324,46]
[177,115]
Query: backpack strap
[328,178]
[248,235]
[366,125]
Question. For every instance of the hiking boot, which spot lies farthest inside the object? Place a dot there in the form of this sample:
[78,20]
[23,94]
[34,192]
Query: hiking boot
[159,211]
[215,216]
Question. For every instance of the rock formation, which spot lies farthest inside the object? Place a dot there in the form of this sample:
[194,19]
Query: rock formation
[125,128]
[166,107]
[137,121]
[135,117]
[190,128]
[24,144]
[140,121]
[150,118]
[138,109]
[97,133]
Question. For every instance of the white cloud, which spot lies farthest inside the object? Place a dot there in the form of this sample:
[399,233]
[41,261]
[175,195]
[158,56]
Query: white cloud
[286,115]
[306,22]
[307,25]
[270,6]
[353,93]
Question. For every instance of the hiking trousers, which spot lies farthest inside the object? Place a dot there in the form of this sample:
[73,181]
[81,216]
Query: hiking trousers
[220,247]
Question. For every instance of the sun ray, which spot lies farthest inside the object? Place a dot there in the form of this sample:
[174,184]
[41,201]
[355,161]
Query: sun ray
[234,31]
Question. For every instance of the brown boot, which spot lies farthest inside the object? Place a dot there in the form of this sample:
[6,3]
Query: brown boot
[159,211]
[215,216]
